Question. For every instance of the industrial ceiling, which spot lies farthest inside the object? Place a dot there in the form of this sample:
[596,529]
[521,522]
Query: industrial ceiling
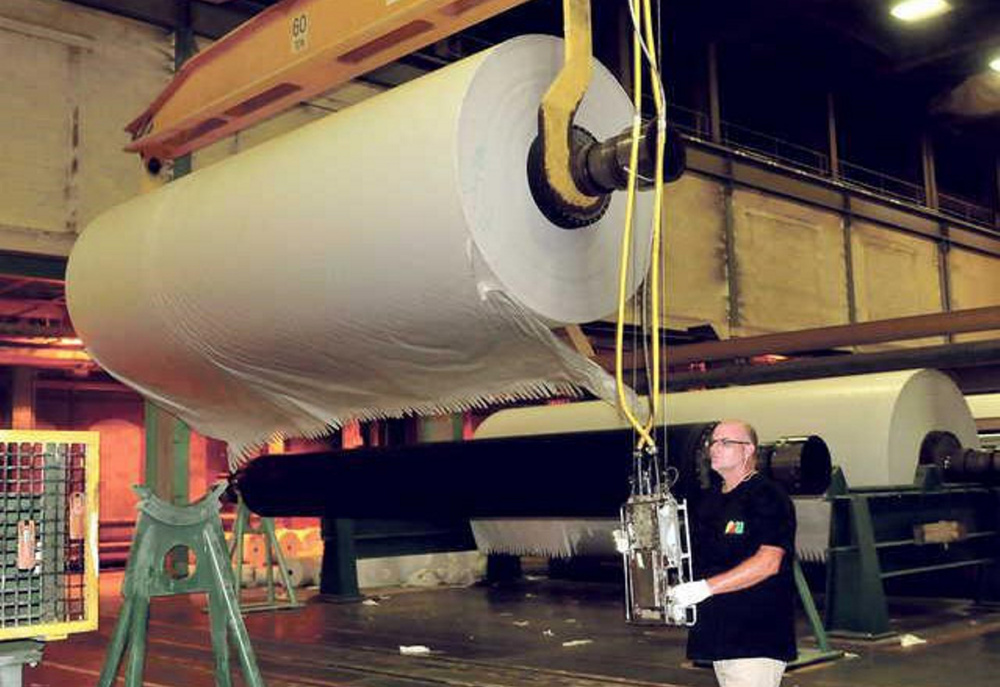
[848,40]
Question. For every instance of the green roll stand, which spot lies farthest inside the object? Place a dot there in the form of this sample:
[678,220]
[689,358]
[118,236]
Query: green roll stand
[272,552]
[161,529]
[823,652]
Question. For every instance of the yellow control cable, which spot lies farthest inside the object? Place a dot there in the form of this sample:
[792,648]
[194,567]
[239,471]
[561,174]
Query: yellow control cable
[646,438]
[661,123]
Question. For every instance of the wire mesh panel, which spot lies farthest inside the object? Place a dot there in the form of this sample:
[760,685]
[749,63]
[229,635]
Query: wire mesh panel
[48,525]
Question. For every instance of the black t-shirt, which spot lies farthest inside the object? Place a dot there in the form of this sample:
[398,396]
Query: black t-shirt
[757,622]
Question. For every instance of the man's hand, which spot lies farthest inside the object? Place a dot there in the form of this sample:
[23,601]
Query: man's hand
[690,593]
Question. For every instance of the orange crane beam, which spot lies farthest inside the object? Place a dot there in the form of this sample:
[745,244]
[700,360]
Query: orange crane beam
[288,53]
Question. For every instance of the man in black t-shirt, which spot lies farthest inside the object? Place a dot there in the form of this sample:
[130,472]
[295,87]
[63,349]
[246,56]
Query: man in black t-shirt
[744,538]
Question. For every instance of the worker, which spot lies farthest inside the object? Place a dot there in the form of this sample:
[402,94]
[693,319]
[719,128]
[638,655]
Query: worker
[744,534]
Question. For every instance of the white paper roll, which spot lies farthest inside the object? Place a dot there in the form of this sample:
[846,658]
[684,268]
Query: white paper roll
[984,406]
[386,260]
[290,542]
[312,542]
[873,424]
[254,550]
[303,571]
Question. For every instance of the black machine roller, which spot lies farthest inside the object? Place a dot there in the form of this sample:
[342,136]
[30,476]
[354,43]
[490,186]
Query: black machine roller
[959,464]
[561,475]
[600,167]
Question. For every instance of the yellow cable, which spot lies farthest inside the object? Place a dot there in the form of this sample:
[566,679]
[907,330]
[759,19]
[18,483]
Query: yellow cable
[646,438]
[657,209]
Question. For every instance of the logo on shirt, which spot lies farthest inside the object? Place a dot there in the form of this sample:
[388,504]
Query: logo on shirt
[734,527]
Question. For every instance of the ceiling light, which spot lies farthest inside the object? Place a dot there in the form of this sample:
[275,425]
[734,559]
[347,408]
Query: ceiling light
[916,10]
[995,64]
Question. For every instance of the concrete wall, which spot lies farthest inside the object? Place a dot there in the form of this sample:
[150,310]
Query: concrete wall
[72,79]
[748,262]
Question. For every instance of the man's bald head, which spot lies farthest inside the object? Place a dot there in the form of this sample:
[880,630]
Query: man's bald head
[738,429]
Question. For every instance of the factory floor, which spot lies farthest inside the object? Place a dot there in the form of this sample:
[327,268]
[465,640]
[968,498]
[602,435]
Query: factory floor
[537,631]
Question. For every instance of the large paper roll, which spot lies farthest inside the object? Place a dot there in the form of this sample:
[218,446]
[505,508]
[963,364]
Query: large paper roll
[873,424]
[984,406]
[386,260]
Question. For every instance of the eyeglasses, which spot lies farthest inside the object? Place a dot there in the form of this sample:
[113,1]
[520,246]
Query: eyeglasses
[726,443]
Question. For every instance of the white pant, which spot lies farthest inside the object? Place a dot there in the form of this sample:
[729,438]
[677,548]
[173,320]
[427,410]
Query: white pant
[749,672]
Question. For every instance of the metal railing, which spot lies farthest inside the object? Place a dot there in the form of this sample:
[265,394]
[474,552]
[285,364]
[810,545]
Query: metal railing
[775,149]
[688,121]
[962,208]
[881,183]
[770,148]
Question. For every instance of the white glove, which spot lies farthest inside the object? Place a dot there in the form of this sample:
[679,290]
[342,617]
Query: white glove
[690,593]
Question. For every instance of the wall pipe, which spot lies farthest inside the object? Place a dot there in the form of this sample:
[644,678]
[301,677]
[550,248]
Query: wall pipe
[944,356]
[880,331]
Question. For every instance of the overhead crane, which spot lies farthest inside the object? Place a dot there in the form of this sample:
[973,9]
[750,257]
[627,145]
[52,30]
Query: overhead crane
[298,49]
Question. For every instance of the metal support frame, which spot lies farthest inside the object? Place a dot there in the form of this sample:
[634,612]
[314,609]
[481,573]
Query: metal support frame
[732,272]
[831,133]
[714,108]
[272,555]
[855,598]
[944,274]
[164,528]
[872,540]
[184,49]
[823,652]
[168,443]
[847,219]
[339,576]
[929,171]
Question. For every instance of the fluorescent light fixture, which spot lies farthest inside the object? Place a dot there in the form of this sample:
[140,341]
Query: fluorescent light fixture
[916,10]
[995,64]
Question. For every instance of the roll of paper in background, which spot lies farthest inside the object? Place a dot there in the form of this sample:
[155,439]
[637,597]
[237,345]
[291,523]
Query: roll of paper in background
[873,424]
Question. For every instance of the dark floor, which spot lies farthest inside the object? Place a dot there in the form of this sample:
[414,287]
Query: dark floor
[507,637]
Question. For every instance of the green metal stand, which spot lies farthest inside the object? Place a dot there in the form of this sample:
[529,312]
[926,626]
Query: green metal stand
[339,576]
[874,538]
[272,552]
[163,528]
[856,601]
[822,652]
